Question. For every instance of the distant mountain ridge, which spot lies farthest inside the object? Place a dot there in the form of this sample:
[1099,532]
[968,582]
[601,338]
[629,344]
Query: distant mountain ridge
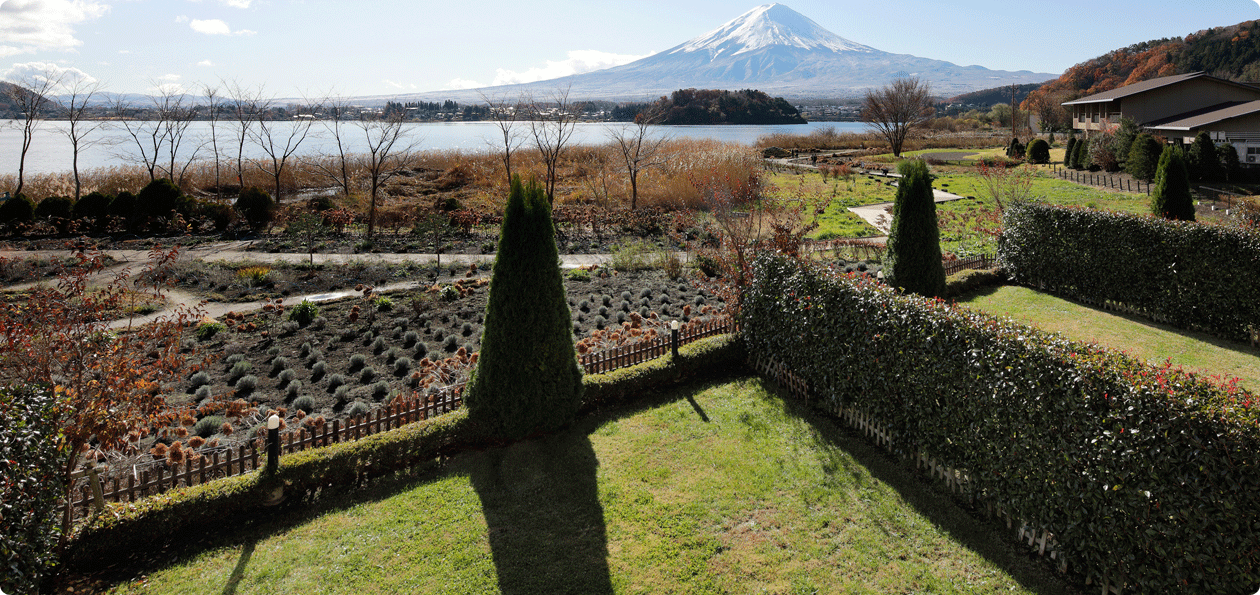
[771,48]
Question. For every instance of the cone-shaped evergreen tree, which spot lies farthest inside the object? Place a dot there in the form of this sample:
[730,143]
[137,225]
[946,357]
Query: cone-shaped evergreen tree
[1070,150]
[913,260]
[1202,162]
[527,378]
[1170,197]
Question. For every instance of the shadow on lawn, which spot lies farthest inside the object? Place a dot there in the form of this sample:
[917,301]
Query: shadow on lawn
[989,539]
[546,526]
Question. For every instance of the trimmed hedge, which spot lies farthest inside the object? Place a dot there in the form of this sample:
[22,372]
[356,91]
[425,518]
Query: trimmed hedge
[971,280]
[1186,274]
[157,519]
[31,487]
[1145,470]
[715,355]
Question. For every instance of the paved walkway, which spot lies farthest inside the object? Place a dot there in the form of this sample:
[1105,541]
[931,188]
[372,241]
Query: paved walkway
[880,215]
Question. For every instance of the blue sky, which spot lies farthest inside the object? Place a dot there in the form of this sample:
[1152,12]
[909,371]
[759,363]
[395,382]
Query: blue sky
[296,48]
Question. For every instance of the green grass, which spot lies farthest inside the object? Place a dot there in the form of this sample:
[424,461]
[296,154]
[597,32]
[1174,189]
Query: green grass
[836,221]
[1139,337]
[722,488]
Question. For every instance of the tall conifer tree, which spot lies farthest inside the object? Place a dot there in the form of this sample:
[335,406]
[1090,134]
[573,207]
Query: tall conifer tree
[1170,197]
[527,379]
[913,261]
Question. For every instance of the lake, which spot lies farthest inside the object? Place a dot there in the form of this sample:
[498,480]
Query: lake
[50,151]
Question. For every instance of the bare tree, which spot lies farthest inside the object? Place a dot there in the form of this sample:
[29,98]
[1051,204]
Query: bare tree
[78,129]
[552,126]
[30,95]
[175,113]
[639,148]
[505,114]
[212,95]
[145,133]
[279,140]
[337,112]
[897,108]
[244,106]
[388,148]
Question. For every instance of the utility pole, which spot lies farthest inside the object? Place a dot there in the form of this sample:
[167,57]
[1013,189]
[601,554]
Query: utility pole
[1014,111]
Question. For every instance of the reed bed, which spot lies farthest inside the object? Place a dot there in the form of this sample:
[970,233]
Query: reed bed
[589,174]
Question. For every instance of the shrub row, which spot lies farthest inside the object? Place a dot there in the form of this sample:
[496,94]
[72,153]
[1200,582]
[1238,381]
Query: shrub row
[1146,470]
[157,519]
[31,486]
[1186,274]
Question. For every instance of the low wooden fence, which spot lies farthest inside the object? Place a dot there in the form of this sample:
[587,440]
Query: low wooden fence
[983,261]
[1039,539]
[1103,179]
[630,355]
[155,477]
[93,489]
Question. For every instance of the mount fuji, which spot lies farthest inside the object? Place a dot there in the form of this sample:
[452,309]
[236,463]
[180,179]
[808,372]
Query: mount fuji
[771,48]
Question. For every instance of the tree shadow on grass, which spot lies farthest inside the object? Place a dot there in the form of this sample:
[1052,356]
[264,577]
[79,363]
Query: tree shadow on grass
[962,522]
[546,525]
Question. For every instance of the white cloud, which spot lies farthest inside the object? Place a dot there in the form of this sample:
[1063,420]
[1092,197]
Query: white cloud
[27,26]
[205,63]
[61,77]
[397,85]
[124,51]
[579,62]
[237,3]
[216,27]
[183,18]
[458,83]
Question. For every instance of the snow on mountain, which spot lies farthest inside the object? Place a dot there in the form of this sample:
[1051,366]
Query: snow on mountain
[771,48]
[766,26]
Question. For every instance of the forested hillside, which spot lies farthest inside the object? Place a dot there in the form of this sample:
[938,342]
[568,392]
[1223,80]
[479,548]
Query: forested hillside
[712,106]
[1231,52]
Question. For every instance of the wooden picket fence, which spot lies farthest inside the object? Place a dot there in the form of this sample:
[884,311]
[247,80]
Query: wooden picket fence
[93,489]
[630,355]
[158,476]
[984,261]
[1039,538]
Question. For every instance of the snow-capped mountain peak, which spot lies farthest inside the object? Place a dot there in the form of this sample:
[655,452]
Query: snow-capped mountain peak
[767,26]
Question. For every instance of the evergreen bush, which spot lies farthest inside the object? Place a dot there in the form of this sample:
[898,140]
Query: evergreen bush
[913,260]
[159,198]
[55,206]
[255,205]
[1230,165]
[1143,157]
[93,206]
[1068,151]
[1170,198]
[1202,163]
[304,312]
[527,378]
[18,209]
[1080,156]
[1038,151]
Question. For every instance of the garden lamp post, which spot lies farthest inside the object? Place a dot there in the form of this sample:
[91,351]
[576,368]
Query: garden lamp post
[673,338]
[273,443]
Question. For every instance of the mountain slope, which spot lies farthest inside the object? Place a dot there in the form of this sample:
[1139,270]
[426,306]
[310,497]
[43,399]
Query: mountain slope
[1227,52]
[771,48]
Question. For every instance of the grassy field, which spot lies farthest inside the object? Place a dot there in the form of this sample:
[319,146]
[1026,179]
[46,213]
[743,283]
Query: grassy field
[721,488]
[836,221]
[1139,337]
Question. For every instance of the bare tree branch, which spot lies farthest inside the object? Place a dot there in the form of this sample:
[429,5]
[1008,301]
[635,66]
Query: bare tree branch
[638,148]
[30,94]
[552,126]
[897,108]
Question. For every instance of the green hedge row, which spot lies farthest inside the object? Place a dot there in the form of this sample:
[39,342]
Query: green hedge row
[1141,469]
[1189,275]
[156,519]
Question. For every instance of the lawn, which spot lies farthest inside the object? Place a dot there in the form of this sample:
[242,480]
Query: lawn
[836,221]
[1139,337]
[720,488]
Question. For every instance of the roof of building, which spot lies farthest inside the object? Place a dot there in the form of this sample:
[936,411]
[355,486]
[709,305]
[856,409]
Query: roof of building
[1151,84]
[1207,116]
